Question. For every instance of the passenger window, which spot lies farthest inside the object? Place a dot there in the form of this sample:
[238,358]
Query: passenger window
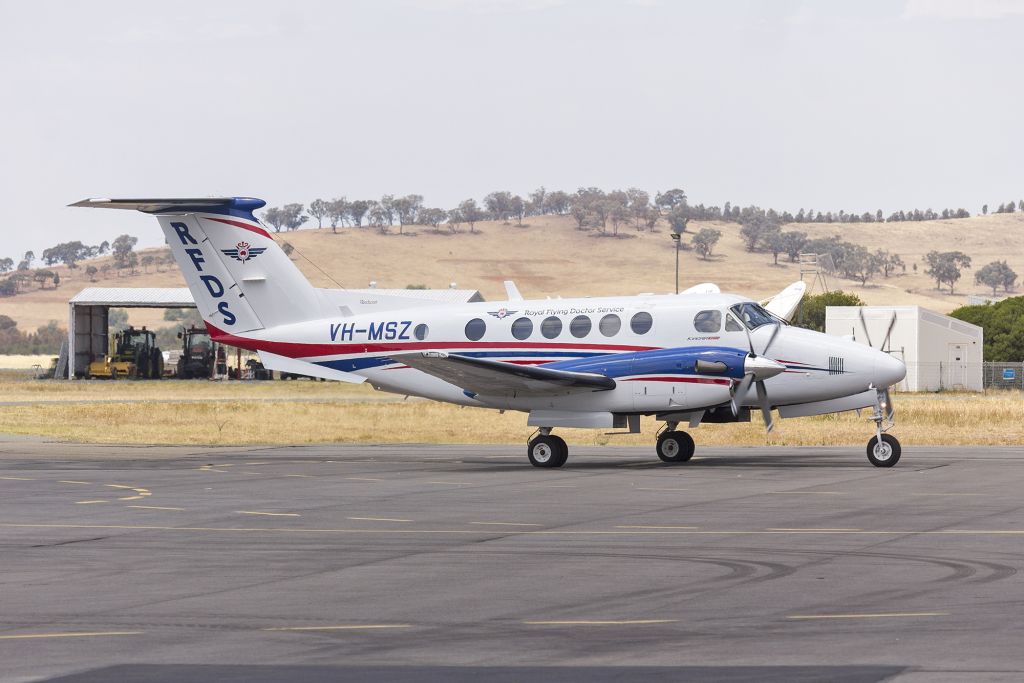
[610,325]
[731,325]
[522,328]
[551,327]
[580,326]
[475,329]
[708,321]
[421,331]
[641,323]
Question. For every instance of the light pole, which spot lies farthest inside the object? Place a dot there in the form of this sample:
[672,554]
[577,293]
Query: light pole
[675,238]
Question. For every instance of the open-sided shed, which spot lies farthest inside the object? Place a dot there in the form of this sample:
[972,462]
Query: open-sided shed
[940,352]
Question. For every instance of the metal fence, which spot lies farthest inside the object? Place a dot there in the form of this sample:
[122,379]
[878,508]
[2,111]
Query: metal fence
[1003,375]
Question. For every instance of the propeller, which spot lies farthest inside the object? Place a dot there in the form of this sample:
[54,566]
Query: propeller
[756,369]
[887,407]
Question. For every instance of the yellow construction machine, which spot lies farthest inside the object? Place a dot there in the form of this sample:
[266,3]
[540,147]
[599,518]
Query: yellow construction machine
[132,354]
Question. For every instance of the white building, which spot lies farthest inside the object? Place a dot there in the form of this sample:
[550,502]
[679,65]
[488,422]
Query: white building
[940,352]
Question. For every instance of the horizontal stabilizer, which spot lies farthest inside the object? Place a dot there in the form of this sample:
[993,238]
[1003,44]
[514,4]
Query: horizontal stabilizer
[272,361]
[174,205]
[492,377]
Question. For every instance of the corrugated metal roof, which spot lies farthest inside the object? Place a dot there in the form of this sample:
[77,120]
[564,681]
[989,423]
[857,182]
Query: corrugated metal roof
[134,296]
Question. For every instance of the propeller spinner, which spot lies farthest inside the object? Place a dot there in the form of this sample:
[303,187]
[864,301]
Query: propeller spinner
[756,369]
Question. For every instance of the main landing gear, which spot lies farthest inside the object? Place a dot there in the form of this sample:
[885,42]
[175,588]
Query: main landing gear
[674,446]
[547,450]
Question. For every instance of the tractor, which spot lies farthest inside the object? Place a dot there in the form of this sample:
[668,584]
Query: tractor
[198,354]
[132,354]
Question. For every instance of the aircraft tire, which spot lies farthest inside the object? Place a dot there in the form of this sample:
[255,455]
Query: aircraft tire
[885,454]
[675,447]
[546,451]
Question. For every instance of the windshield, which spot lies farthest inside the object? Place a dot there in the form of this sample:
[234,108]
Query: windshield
[753,315]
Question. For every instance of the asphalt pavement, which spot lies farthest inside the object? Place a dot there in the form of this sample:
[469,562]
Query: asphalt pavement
[459,563]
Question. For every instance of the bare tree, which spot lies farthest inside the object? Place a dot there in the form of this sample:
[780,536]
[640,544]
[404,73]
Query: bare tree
[319,209]
[471,213]
[337,210]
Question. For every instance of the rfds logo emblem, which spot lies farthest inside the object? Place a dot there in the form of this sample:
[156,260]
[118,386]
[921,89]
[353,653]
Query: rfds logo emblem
[502,313]
[243,252]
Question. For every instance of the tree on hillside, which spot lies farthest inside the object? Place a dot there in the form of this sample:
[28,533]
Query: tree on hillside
[1004,335]
[539,199]
[319,209]
[6,264]
[984,209]
[146,261]
[356,211]
[678,218]
[557,202]
[275,217]
[670,199]
[793,242]
[454,220]
[889,262]
[91,271]
[68,253]
[337,210]
[499,205]
[433,218]
[995,275]
[618,215]
[377,217]
[518,208]
[470,212]
[29,257]
[638,203]
[945,267]
[705,240]
[811,314]
[755,225]
[122,249]
[407,208]
[386,208]
[293,216]
[861,264]
[580,210]
[774,242]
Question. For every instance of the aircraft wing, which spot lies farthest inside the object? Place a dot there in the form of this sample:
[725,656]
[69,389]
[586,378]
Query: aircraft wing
[493,377]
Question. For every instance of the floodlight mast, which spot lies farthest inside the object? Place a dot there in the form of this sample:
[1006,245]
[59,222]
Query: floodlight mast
[675,238]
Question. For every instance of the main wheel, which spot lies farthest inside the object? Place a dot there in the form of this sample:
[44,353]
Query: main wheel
[547,451]
[675,447]
[885,453]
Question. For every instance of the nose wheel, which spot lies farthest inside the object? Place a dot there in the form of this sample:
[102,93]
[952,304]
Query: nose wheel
[884,452]
[547,450]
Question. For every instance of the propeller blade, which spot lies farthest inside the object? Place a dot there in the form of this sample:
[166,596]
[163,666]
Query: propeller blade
[740,393]
[775,332]
[766,408]
[860,312]
[750,342]
[892,324]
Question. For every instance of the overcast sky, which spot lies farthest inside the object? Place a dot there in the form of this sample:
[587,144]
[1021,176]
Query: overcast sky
[856,106]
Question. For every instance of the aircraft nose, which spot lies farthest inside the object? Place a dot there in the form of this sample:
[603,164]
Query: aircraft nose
[888,370]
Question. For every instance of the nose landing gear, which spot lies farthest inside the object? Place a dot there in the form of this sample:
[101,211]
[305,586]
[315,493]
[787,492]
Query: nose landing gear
[883,449]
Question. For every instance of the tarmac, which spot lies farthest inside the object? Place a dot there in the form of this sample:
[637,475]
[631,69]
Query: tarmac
[459,563]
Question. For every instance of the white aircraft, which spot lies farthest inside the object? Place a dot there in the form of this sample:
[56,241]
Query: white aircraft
[699,356]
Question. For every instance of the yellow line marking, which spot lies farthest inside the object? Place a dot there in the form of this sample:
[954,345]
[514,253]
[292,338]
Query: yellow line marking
[362,479]
[638,526]
[379,519]
[306,476]
[869,616]
[793,529]
[152,507]
[72,481]
[809,493]
[347,627]
[639,488]
[90,502]
[82,634]
[505,524]
[603,622]
[268,514]
[544,532]
[119,486]
[20,479]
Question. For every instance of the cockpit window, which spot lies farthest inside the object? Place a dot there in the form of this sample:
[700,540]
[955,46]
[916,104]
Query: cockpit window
[731,325]
[753,315]
[708,321]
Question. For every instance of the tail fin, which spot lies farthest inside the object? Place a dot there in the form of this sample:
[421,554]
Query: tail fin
[240,278]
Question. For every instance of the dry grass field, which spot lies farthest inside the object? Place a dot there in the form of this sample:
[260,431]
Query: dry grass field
[549,257]
[300,412]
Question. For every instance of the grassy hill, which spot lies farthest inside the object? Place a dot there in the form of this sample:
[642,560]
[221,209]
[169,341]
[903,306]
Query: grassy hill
[550,257]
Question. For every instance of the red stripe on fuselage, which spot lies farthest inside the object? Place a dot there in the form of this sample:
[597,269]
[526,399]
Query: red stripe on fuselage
[306,350]
[689,380]
[240,224]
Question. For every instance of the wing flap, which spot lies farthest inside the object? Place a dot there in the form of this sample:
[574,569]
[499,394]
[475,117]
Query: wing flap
[493,377]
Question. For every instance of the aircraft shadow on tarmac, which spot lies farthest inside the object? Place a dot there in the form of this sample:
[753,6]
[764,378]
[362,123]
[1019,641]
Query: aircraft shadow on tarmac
[152,673]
